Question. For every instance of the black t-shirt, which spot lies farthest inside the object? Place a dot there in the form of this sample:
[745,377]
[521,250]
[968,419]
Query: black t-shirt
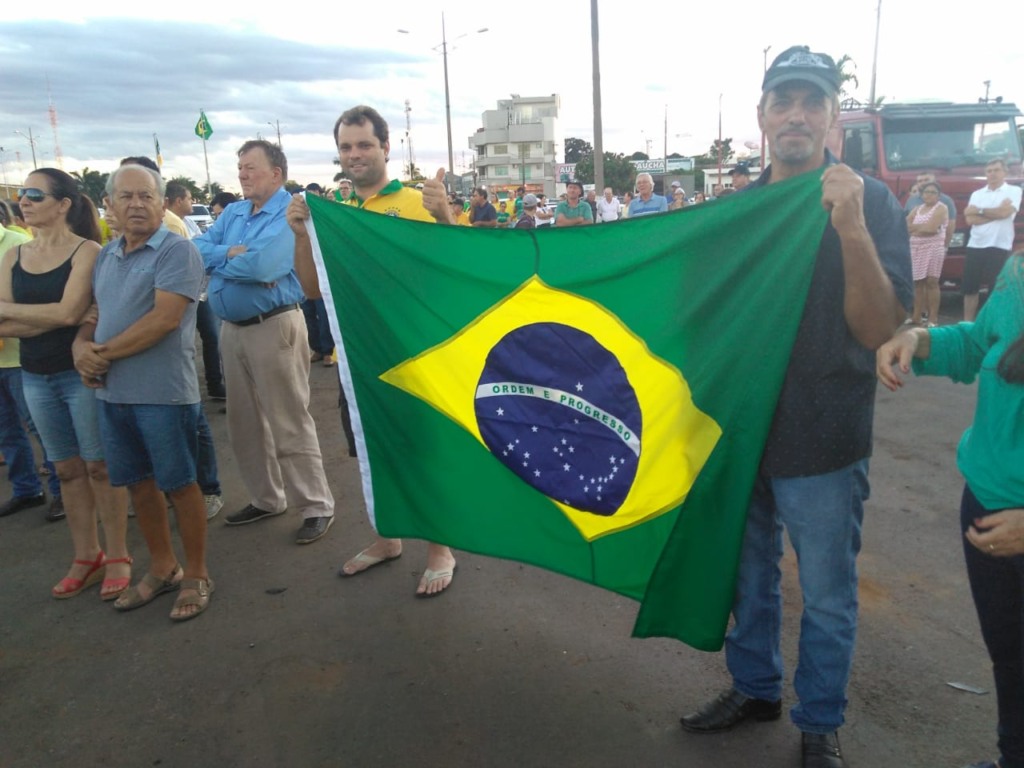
[824,415]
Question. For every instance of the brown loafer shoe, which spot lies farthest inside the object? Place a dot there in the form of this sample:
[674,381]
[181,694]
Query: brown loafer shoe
[728,709]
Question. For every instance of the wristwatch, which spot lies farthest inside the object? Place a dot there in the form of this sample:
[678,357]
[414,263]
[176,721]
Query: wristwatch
[981,212]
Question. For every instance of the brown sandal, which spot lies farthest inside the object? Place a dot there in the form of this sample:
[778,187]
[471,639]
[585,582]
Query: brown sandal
[201,590]
[131,598]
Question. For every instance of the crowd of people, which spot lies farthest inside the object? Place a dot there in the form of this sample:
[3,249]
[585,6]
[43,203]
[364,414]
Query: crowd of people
[105,348]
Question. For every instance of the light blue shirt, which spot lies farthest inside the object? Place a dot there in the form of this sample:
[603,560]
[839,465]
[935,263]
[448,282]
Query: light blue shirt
[640,207]
[261,279]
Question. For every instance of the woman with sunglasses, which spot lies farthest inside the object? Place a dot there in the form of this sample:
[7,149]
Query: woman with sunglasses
[45,290]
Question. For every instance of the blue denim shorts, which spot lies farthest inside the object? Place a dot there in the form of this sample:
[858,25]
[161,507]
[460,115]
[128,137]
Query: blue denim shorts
[144,441]
[64,412]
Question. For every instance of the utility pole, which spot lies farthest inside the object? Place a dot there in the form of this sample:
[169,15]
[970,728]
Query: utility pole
[408,137]
[874,60]
[598,126]
[31,143]
[276,124]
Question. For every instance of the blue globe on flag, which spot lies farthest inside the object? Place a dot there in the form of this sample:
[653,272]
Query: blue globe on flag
[556,408]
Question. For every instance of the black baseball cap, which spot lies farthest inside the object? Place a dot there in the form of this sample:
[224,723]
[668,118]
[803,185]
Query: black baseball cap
[741,169]
[800,64]
[576,183]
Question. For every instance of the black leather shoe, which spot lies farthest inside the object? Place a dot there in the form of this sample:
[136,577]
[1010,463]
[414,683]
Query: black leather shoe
[249,514]
[821,750]
[56,511]
[730,708]
[18,503]
[312,529]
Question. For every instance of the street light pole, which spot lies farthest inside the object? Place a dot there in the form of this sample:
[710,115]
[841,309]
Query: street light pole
[447,98]
[276,124]
[31,143]
[447,91]
[762,163]
[874,59]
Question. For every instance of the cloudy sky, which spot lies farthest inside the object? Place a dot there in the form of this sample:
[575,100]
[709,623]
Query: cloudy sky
[117,76]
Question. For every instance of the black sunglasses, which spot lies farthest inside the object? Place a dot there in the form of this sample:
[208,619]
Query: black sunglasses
[34,195]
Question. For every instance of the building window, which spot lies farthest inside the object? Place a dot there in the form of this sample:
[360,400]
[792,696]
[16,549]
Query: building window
[501,149]
[500,170]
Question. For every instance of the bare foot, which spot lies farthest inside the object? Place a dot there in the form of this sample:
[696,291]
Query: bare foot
[440,570]
[380,551]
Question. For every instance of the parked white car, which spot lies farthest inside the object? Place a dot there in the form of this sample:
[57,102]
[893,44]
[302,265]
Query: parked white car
[201,216]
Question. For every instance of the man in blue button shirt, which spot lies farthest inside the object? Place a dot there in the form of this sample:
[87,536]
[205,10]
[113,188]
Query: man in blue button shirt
[646,202]
[249,255]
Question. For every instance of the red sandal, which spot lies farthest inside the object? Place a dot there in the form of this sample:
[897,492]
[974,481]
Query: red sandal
[111,588]
[70,586]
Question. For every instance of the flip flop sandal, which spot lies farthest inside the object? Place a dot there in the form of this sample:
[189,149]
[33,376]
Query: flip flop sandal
[201,589]
[131,598]
[432,576]
[367,561]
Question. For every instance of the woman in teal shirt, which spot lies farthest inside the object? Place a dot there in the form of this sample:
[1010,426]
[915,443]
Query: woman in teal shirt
[991,458]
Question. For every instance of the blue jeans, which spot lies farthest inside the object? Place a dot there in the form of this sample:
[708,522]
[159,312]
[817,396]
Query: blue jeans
[64,412]
[208,325]
[144,441]
[823,515]
[206,458]
[318,327]
[14,444]
[997,584]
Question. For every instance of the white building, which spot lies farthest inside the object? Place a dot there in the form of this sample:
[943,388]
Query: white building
[517,144]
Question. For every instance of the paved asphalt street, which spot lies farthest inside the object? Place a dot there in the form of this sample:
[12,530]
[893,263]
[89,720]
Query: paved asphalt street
[513,667]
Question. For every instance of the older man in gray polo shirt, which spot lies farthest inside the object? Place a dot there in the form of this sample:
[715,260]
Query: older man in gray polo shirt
[140,358]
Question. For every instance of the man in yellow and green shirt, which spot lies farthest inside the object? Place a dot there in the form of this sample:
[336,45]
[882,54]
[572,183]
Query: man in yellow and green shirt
[363,146]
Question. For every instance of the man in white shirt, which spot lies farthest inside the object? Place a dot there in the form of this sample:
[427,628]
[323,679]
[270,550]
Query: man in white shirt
[990,212]
[608,207]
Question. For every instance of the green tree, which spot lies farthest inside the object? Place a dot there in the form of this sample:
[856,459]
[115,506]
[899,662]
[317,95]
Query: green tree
[197,192]
[92,183]
[619,172]
[847,68]
[639,156]
[720,151]
[576,149]
[215,189]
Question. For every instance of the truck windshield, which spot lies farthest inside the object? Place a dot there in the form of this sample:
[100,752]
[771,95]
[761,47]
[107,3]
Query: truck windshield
[950,143]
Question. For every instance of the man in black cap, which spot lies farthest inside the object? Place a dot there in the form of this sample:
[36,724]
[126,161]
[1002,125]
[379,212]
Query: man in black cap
[813,476]
[573,212]
[740,176]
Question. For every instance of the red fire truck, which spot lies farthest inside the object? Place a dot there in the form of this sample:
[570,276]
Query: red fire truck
[896,142]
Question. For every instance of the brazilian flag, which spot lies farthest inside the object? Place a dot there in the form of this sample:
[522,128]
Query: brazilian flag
[594,400]
[203,128]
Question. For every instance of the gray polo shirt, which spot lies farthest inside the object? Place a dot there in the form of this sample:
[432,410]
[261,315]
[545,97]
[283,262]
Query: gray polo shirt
[125,288]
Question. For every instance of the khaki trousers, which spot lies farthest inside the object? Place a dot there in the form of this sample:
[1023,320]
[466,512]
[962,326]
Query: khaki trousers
[272,433]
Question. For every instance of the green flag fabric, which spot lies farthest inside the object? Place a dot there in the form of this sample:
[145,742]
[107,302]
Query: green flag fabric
[593,401]
[203,129]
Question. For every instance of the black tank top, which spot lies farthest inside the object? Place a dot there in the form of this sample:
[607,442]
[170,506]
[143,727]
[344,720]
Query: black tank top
[48,352]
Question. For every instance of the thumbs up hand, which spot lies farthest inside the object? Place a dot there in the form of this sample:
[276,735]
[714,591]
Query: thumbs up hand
[435,198]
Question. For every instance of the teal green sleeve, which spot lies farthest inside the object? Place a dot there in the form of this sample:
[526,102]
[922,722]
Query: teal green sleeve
[956,352]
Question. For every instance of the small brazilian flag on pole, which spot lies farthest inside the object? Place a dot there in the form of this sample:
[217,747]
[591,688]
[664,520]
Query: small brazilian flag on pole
[594,401]
[203,129]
